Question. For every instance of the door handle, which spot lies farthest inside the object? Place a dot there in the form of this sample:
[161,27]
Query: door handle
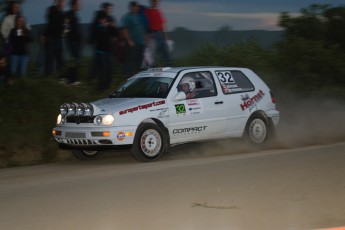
[218,102]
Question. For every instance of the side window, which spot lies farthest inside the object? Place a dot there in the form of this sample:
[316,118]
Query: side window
[197,85]
[234,82]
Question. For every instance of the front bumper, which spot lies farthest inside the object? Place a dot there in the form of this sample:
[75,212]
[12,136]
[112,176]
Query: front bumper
[93,137]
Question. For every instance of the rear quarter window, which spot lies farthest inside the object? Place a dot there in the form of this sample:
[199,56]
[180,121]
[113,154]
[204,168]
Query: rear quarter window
[234,81]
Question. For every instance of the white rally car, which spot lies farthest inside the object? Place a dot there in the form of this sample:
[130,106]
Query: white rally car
[161,107]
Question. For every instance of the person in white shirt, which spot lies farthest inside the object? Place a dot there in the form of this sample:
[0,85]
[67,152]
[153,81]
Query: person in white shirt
[8,23]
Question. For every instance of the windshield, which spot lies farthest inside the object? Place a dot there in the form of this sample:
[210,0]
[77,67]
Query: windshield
[144,87]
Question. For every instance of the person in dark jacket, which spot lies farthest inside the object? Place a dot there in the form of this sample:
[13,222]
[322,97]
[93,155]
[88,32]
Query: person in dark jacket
[106,13]
[73,41]
[53,37]
[104,39]
[19,39]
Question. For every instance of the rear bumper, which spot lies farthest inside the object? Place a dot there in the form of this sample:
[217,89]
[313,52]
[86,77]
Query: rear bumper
[274,115]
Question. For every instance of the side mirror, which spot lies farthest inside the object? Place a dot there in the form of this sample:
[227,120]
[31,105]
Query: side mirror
[180,96]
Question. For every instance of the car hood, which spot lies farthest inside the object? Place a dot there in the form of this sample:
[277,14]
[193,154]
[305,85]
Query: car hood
[112,105]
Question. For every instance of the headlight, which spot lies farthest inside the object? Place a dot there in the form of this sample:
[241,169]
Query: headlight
[64,109]
[80,110]
[60,120]
[88,110]
[71,110]
[108,119]
[98,120]
[105,120]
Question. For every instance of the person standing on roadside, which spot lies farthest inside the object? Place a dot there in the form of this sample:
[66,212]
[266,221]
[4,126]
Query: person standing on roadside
[52,38]
[104,35]
[157,33]
[9,22]
[19,39]
[106,13]
[135,35]
[73,41]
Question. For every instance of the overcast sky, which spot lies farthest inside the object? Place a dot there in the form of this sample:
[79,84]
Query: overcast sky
[204,15]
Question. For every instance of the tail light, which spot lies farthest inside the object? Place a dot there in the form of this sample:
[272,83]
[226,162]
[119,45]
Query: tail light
[273,98]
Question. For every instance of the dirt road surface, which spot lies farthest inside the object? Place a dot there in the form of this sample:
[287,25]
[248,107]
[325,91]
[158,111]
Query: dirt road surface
[272,189]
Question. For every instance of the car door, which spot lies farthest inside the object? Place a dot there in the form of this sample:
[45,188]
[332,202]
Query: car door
[201,115]
[237,90]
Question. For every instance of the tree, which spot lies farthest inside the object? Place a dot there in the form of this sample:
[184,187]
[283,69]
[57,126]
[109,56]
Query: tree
[312,53]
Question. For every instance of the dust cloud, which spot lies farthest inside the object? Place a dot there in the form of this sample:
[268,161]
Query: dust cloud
[303,122]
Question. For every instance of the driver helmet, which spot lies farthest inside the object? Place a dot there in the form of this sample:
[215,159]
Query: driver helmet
[190,81]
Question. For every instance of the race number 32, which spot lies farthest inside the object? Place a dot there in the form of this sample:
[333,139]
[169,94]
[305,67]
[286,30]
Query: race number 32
[225,77]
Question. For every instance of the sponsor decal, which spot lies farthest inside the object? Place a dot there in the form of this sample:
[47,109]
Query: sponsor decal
[180,109]
[250,103]
[121,136]
[191,107]
[163,113]
[190,130]
[193,102]
[141,107]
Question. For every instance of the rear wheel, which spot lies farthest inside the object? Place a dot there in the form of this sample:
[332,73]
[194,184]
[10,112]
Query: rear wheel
[148,143]
[257,130]
[85,154]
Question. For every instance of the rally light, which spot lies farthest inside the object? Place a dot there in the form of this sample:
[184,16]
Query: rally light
[64,109]
[80,110]
[71,110]
[88,110]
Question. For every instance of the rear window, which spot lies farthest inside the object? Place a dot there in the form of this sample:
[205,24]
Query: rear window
[234,81]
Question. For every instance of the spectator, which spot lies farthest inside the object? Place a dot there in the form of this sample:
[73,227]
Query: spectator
[105,12]
[73,42]
[120,46]
[19,38]
[135,36]
[156,26]
[53,37]
[8,23]
[104,34]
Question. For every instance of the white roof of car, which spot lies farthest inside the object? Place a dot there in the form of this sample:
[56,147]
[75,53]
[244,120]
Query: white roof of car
[171,72]
[178,69]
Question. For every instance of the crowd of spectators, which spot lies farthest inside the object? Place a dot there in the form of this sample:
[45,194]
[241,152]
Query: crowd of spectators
[132,42]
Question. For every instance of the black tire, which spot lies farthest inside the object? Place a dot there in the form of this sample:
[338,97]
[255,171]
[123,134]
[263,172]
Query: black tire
[257,130]
[85,155]
[148,144]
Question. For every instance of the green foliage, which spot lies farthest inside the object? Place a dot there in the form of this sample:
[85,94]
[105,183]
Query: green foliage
[312,54]
[248,53]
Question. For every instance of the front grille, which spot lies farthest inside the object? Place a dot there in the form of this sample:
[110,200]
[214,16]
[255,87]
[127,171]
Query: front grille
[80,119]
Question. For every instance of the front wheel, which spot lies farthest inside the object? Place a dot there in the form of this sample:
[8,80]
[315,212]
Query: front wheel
[85,154]
[148,143]
[257,130]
